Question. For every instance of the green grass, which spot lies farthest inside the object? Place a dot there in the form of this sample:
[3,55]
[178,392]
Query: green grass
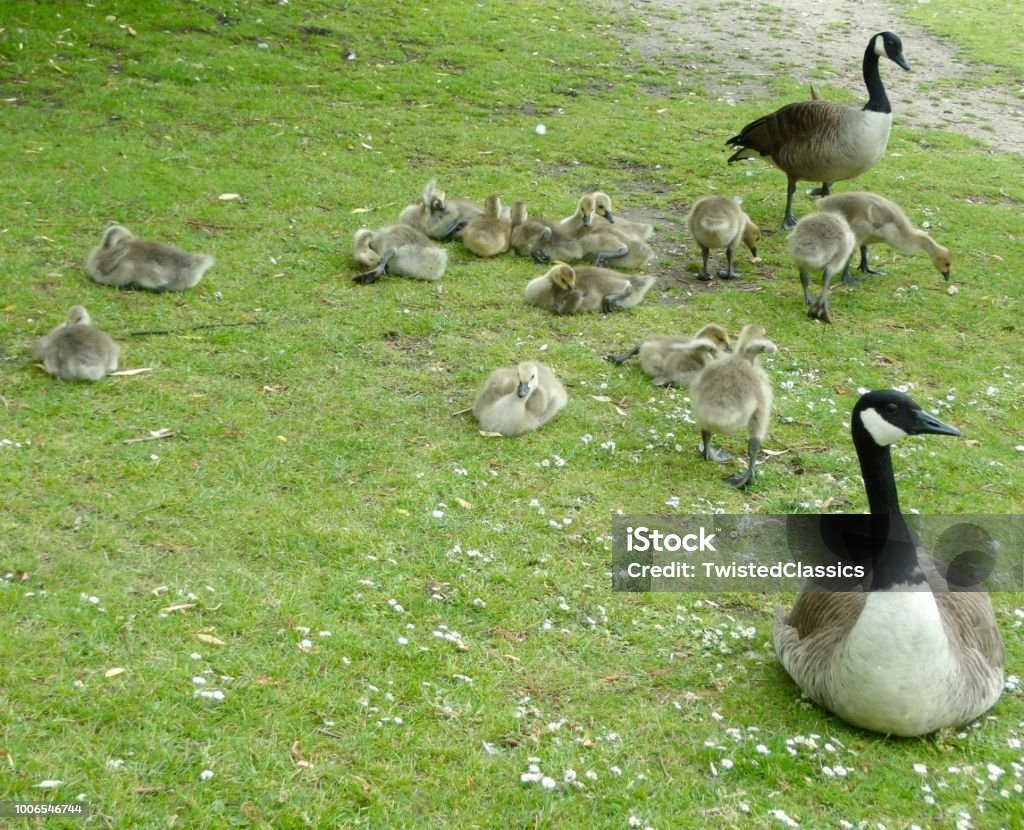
[318,475]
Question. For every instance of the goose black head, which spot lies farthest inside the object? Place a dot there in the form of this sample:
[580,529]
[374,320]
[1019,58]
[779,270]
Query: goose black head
[889,45]
[887,416]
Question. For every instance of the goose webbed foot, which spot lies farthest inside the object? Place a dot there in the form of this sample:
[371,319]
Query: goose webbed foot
[601,257]
[850,279]
[704,276]
[371,276]
[741,480]
[540,257]
[789,222]
[619,359]
[864,268]
[730,274]
[819,310]
[709,453]
[453,229]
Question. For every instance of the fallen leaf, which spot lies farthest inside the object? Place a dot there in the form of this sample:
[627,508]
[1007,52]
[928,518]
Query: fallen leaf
[463,503]
[490,434]
[298,757]
[127,372]
[158,590]
[228,197]
[7,757]
[209,638]
[113,672]
[361,210]
[49,784]
[183,607]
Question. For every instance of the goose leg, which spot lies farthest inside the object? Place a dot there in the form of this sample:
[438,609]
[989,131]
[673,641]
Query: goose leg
[704,273]
[375,274]
[848,278]
[867,269]
[819,309]
[805,281]
[789,222]
[619,359]
[540,256]
[729,273]
[612,302]
[741,480]
[453,229]
[709,453]
[601,257]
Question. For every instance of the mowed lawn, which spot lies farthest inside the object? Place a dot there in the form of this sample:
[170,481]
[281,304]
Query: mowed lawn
[325,599]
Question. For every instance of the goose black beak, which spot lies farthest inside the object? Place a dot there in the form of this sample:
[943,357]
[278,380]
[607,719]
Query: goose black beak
[524,389]
[902,62]
[927,424]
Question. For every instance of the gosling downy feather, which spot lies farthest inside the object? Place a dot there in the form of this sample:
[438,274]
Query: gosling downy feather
[734,393]
[823,141]
[77,350]
[821,242]
[520,399]
[124,260]
[671,360]
[568,290]
[397,249]
[437,216]
[904,654]
[718,222]
[544,241]
[603,209]
[488,235]
[874,219]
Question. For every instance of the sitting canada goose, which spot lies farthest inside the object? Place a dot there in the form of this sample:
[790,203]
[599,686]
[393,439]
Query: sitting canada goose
[733,393]
[823,141]
[603,208]
[76,349]
[904,653]
[821,241]
[437,216]
[398,249]
[123,260]
[874,219]
[719,222]
[488,235]
[568,290]
[514,401]
[675,361]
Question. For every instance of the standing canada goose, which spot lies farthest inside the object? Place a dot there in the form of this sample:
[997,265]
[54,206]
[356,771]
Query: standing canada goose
[437,216]
[398,249]
[734,393]
[123,260]
[906,653]
[514,401]
[719,222]
[675,361]
[823,141]
[821,241]
[874,219]
[568,290]
[603,208]
[489,234]
[76,349]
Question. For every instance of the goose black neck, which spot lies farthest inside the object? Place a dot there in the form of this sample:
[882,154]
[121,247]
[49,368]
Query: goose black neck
[878,101]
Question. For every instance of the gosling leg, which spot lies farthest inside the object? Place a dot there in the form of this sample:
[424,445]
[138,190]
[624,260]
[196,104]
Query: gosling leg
[704,274]
[867,269]
[453,229]
[619,359]
[741,480]
[819,309]
[848,278]
[709,453]
[729,273]
[601,257]
[613,302]
[374,274]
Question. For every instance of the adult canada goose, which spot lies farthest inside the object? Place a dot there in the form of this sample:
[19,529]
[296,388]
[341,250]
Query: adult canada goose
[821,241]
[76,349]
[520,399]
[907,654]
[124,260]
[438,216]
[675,361]
[488,235]
[734,393]
[397,249]
[603,209]
[568,290]
[823,141]
[719,222]
[874,219]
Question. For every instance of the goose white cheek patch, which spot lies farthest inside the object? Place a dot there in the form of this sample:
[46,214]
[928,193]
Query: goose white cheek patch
[880,429]
[880,46]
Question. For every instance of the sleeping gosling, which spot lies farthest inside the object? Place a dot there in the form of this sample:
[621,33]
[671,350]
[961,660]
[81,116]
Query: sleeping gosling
[77,350]
[603,209]
[437,216]
[734,393]
[543,240]
[489,234]
[514,401]
[675,361]
[568,290]
[719,222]
[821,241]
[400,250]
[126,261]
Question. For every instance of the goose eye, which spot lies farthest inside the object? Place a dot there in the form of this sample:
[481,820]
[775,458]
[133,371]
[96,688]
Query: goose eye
[891,408]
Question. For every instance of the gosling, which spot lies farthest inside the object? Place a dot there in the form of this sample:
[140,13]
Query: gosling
[603,209]
[400,250]
[825,242]
[126,261]
[568,290]
[437,216]
[675,361]
[734,393]
[77,350]
[514,401]
[489,234]
[719,222]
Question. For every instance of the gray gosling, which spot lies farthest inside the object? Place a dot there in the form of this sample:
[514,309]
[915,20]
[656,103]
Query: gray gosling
[734,393]
[544,241]
[489,234]
[77,350]
[821,242]
[568,290]
[874,219]
[603,209]
[719,222]
[514,401]
[437,216]
[675,361]
[400,250]
[123,260]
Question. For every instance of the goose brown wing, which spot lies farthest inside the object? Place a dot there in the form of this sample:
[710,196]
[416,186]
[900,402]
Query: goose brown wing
[815,611]
[791,126]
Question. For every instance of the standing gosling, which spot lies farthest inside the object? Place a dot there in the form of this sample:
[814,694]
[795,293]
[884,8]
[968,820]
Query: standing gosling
[719,222]
[123,260]
[514,401]
[675,361]
[488,235]
[821,241]
[874,219]
[568,290]
[734,393]
[398,249]
[77,350]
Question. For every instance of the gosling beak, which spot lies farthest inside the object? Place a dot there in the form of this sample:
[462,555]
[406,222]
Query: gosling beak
[609,217]
[927,424]
[753,251]
[524,389]
[946,274]
[902,62]
[728,349]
